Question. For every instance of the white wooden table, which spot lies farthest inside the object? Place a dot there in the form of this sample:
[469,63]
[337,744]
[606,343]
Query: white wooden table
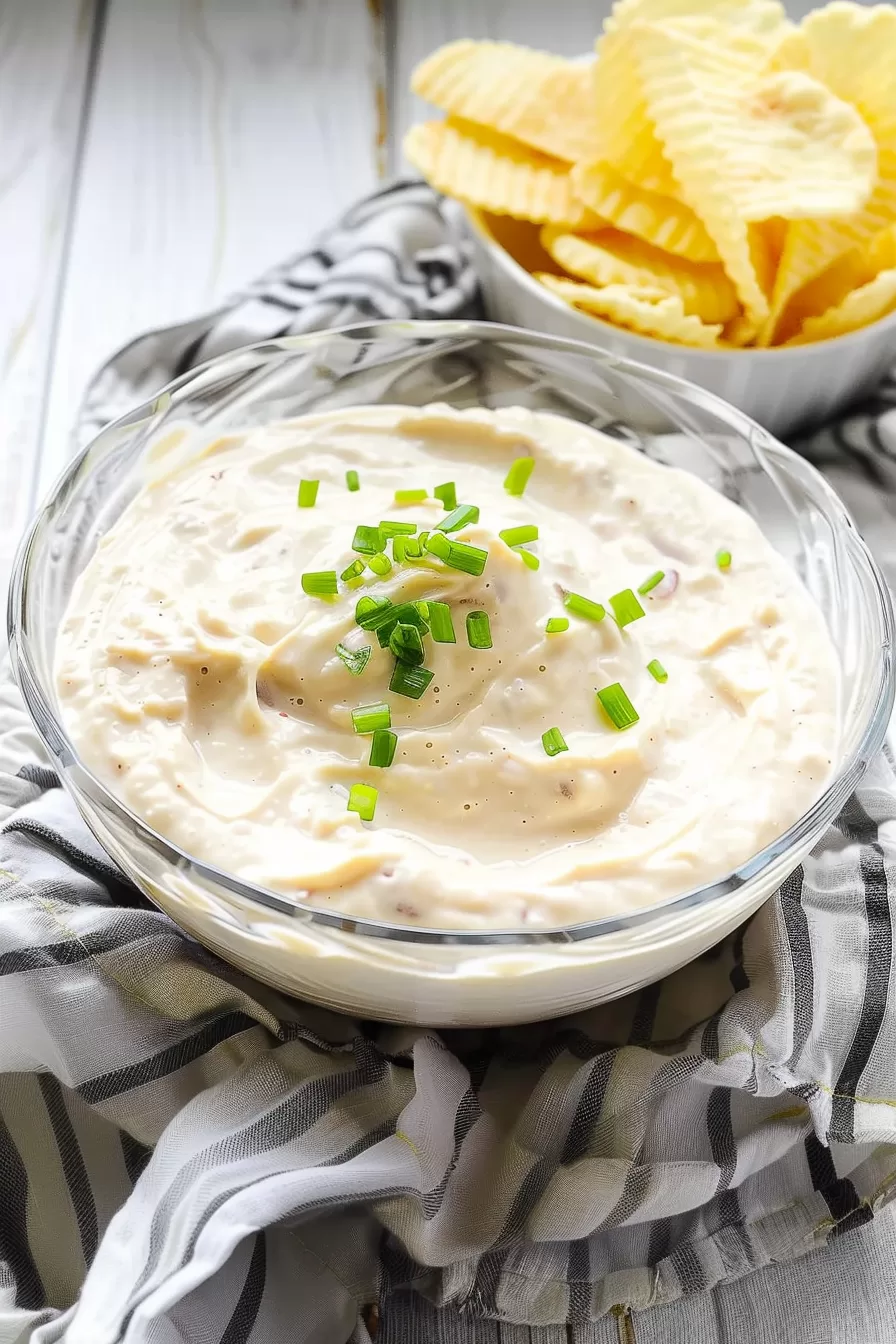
[155,154]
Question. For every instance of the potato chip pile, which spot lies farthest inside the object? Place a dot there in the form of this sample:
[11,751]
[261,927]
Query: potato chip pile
[716,176]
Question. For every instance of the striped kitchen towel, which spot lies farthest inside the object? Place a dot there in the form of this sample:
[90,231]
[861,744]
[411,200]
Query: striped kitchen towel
[188,1157]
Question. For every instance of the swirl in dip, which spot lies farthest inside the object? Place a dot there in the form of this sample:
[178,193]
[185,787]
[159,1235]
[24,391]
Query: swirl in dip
[203,684]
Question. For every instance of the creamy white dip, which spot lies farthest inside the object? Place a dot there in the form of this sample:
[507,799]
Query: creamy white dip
[202,684]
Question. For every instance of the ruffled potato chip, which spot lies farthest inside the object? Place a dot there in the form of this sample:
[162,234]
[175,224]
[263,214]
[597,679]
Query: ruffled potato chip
[661,220]
[627,133]
[850,271]
[544,101]
[852,49]
[613,258]
[747,147]
[860,306]
[495,173]
[641,308]
[765,19]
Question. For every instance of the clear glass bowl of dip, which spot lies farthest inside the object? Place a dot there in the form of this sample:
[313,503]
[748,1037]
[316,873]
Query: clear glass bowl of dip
[430,976]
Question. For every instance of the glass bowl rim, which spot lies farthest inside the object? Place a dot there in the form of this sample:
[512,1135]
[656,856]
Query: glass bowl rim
[39,701]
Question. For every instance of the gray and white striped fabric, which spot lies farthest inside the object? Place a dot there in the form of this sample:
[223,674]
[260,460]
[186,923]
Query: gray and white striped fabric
[187,1157]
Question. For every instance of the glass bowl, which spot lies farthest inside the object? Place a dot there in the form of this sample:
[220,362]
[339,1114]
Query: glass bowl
[431,976]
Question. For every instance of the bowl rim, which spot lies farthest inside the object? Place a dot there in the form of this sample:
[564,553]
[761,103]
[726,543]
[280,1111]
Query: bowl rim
[39,699]
[777,353]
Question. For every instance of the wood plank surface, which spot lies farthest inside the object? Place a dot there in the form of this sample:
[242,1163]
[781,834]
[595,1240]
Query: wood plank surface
[44,58]
[222,136]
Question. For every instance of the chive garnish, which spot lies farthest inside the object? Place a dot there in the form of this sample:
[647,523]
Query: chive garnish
[372,612]
[479,631]
[626,607]
[517,536]
[320,583]
[362,799]
[457,554]
[657,671]
[409,496]
[518,476]
[422,607]
[441,625]
[723,559]
[408,614]
[438,544]
[389,528]
[355,659]
[367,718]
[556,625]
[399,549]
[380,564]
[352,571]
[406,643]
[382,748]
[532,561]
[351,480]
[368,540]
[553,742]
[447,493]
[583,606]
[422,538]
[308,494]
[617,706]
[462,516]
[410,681]
[649,584]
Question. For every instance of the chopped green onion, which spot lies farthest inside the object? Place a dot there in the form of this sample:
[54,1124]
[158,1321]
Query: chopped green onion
[423,538]
[351,480]
[527,557]
[423,609]
[320,583]
[352,571]
[626,607]
[617,706]
[380,564]
[479,631]
[657,671]
[583,606]
[410,681]
[438,544]
[308,494]
[382,748]
[372,612]
[355,659]
[447,494]
[405,612]
[518,476]
[723,559]
[406,643]
[553,742]
[367,718]
[649,584]
[457,554]
[556,625]
[409,496]
[362,799]
[441,625]
[517,536]
[393,529]
[368,540]
[405,548]
[461,517]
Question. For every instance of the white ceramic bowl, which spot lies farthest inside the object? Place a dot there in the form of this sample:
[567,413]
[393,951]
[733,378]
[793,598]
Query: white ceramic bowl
[785,390]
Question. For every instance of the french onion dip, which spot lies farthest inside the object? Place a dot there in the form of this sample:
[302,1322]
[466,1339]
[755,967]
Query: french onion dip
[463,670]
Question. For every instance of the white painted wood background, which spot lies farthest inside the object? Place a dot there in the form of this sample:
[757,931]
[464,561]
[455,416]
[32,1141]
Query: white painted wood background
[155,154]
